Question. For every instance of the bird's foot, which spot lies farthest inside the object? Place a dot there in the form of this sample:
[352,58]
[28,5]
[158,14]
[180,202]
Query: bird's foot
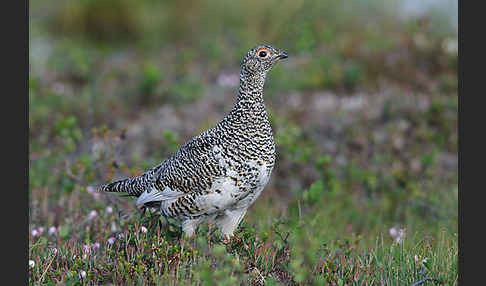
[227,239]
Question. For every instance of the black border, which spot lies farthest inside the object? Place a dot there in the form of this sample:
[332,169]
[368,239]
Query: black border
[15,123]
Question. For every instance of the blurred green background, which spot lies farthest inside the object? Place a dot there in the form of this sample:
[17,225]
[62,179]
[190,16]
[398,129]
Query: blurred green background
[364,110]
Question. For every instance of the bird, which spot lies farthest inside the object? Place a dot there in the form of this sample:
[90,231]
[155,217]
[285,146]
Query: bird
[217,175]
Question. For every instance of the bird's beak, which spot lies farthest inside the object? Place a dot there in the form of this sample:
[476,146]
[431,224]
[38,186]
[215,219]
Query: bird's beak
[282,55]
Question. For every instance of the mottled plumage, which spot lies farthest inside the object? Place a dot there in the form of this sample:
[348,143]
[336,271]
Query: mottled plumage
[217,175]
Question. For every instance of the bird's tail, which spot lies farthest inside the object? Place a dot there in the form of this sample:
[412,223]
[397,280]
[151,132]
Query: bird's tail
[131,186]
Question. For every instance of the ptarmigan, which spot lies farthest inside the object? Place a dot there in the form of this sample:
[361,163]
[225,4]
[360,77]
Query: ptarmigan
[218,174]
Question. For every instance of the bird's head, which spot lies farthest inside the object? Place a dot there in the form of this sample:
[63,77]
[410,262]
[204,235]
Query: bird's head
[261,59]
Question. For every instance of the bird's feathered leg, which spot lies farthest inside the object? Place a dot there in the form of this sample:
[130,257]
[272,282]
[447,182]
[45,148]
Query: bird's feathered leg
[229,221]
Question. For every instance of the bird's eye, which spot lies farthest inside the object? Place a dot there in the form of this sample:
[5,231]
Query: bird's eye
[262,52]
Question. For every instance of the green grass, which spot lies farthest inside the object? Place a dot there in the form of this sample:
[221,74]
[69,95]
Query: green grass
[331,232]
[156,257]
[364,113]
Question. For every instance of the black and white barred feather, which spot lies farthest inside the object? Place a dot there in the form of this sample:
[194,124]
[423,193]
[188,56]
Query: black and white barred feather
[218,174]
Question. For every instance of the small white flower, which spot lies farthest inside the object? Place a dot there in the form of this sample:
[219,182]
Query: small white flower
[111,240]
[143,229]
[401,236]
[93,214]
[31,263]
[90,189]
[397,234]
[424,260]
[96,245]
[109,209]
[54,250]
[416,258]
[35,233]
[120,235]
[52,230]
[82,274]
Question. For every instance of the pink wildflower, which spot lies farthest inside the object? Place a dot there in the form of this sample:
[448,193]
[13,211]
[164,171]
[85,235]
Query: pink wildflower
[401,236]
[86,250]
[52,230]
[93,214]
[90,189]
[35,233]
[111,240]
[82,274]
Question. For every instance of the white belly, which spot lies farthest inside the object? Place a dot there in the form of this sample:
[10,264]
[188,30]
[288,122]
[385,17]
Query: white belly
[262,177]
[236,191]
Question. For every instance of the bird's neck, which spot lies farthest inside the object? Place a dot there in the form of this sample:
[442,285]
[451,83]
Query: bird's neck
[249,107]
[250,91]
